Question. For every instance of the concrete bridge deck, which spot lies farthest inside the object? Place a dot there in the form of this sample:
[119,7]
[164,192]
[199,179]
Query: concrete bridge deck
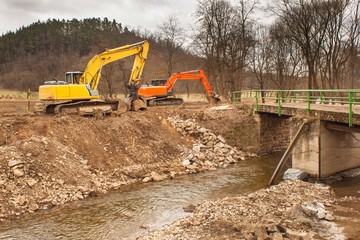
[326,112]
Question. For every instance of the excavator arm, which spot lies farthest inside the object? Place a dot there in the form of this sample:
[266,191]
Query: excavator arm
[92,72]
[190,75]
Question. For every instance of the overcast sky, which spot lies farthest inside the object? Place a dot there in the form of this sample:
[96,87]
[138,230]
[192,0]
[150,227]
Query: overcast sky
[145,13]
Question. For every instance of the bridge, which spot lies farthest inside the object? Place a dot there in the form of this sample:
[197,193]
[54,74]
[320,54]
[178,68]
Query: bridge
[320,129]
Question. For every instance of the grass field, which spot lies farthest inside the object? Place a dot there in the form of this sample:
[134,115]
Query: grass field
[14,94]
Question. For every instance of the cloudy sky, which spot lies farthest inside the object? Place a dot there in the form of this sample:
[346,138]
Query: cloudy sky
[147,14]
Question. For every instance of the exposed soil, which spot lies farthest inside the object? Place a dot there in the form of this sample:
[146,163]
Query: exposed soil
[47,160]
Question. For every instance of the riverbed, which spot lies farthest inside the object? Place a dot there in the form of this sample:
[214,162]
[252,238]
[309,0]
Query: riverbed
[133,210]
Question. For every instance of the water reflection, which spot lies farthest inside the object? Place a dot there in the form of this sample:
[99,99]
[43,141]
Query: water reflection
[347,187]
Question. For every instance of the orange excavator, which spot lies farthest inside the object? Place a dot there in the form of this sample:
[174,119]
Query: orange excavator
[160,93]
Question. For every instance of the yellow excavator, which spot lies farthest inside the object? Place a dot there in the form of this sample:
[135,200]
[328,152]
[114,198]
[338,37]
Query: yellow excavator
[79,93]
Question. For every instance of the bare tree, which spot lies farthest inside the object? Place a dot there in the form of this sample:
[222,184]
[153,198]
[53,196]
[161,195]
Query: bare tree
[275,60]
[224,36]
[172,38]
[285,60]
[327,33]
[341,39]
[114,77]
[215,17]
[260,57]
[306,28]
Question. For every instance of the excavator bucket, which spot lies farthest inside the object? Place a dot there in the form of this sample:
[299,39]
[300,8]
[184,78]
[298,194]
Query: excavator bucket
[214,100]
[136,104]
[122,107]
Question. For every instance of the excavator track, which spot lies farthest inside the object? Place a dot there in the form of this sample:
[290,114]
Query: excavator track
[46,107]
[83,108]
[165,101]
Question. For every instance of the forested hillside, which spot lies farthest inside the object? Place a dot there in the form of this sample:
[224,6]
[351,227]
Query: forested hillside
[46,50]
[309,44]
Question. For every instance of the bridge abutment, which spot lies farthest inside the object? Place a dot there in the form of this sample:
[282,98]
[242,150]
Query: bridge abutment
[274,133]
[326,148]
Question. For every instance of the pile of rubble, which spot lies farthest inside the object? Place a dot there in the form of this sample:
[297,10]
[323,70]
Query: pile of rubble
[41,171]
[209,151]
[290,210]
[27,185]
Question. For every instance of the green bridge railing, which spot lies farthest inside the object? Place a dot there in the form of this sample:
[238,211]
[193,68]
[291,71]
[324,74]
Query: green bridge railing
[348,97]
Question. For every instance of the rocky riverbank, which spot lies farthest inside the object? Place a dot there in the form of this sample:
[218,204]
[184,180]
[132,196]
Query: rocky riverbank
[290,210]
[48,161]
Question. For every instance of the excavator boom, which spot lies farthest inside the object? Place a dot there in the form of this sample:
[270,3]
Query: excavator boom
[92,72]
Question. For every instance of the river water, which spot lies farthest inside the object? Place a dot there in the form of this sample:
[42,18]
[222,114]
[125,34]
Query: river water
[125,213]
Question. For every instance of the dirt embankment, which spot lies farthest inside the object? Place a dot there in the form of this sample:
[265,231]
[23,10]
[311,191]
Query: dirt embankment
[49,160]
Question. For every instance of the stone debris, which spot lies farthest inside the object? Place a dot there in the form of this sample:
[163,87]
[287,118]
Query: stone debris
[18,172]
[317,209]
[31,182]
[156,177]
[209,150]
[290,210]
[29,188]
[41,168]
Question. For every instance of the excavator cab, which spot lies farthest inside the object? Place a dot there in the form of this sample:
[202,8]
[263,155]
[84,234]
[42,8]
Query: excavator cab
[158,82]
[73,77]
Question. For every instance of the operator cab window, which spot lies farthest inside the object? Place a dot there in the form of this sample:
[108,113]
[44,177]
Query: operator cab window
[73,77]
[76,79]
[68,78]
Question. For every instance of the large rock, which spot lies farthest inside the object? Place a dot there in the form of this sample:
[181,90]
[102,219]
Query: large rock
[196,148]
[21,200]
[14,162]
[31,182]
[157,177]
[18,172]
[276,236]
[221,139]
[294,174]
[186,163]
[309,209]
[146,179]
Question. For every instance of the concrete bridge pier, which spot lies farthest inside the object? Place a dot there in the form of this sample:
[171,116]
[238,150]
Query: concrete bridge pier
[323,148]
[326,148]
